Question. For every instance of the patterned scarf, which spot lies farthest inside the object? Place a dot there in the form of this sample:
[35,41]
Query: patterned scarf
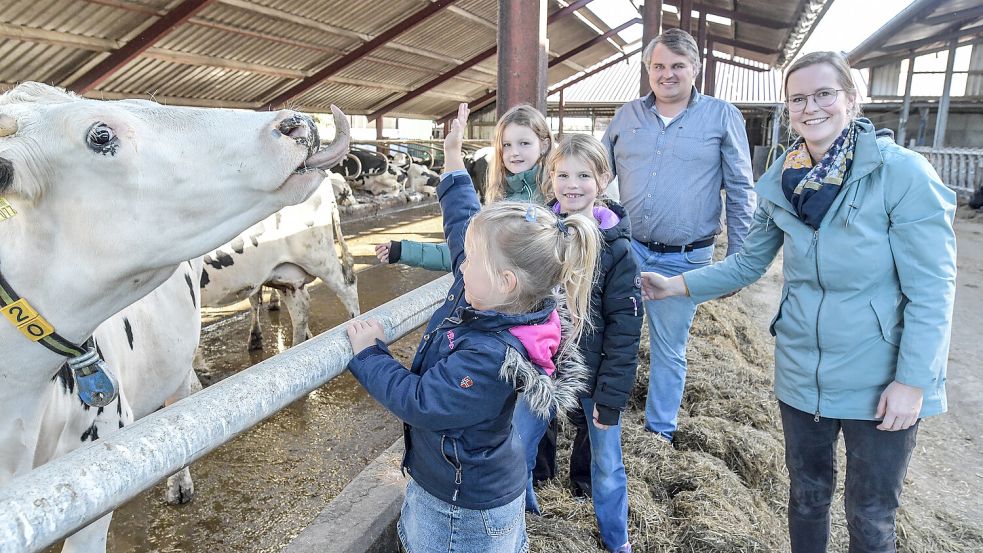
[812,189]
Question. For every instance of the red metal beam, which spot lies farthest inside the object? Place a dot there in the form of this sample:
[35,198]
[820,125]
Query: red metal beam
[599,38]
[107,67]
[522,54]
[478,58]
[478,103]
[744,45]
[574,6]
[392,32]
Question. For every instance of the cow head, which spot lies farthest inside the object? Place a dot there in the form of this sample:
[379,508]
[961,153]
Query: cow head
[128,189]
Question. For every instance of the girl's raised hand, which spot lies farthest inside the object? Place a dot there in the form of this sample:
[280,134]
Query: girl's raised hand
[453,159]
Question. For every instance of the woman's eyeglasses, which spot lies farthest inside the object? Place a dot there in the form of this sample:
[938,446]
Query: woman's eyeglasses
[824,97]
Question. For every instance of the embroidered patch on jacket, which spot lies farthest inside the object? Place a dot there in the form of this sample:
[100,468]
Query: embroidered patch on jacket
[638,281]
[466,382]
[450,339]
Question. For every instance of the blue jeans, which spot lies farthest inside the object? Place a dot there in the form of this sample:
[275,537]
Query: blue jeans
[429,525]
[608,479]
[876,465]
[669,323]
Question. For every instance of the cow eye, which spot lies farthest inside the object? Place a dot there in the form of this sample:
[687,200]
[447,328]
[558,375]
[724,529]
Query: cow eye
[102,139]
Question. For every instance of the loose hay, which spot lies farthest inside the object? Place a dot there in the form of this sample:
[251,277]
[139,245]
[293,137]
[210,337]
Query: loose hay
[724,487]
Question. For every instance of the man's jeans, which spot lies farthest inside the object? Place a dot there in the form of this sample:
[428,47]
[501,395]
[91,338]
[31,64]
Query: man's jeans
[876,465]
[669,322]
[608,479]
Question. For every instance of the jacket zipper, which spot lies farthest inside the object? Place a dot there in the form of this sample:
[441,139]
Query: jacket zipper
[634,304]
[457,467]
[819,348]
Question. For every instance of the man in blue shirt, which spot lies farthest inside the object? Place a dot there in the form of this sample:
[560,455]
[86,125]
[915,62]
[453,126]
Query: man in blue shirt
[673,151]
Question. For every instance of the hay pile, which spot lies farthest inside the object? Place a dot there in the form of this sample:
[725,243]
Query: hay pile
[724,487]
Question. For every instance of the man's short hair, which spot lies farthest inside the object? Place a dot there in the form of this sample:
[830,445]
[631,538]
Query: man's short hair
[678,42]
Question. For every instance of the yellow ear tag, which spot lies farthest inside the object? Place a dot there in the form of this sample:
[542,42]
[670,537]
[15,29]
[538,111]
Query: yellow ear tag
[6,210]
[27,320]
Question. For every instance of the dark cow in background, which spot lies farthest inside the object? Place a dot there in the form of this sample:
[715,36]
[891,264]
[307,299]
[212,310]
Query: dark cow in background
[976,201]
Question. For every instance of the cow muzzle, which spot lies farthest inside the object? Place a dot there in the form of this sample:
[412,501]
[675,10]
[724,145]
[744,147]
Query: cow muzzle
[302,130]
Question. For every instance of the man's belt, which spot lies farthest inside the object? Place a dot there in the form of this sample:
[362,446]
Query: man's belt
[667,248]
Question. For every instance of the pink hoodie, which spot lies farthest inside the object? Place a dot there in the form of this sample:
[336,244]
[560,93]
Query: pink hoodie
[541,341]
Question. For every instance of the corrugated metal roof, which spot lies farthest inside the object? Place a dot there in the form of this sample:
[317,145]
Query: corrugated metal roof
[619,84]
[925,26]
[244,53]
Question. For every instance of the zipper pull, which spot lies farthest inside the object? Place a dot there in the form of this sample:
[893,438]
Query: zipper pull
[816,418]
[634,304]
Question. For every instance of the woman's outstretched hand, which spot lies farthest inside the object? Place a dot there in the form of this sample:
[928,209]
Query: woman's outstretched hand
[453,158]
[658,287]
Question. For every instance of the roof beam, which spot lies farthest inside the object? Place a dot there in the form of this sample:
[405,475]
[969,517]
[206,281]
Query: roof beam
[592,72]
[744,45]
[965,16]
[163,26]
[595,40]
[897,56]
[913,12]
[392,32]
[741,17]
[479,103]
[476,59]
[736,63]
[57,38]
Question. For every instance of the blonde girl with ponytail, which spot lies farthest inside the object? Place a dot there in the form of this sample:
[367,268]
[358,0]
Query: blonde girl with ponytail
[511,319]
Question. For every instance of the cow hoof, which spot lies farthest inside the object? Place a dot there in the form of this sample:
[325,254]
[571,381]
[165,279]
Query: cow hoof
[255,342]
[180,488]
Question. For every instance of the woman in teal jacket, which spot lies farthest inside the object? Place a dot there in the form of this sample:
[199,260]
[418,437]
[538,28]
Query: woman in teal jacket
[862,331]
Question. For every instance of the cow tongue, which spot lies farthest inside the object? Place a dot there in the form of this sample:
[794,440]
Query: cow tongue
[336,151]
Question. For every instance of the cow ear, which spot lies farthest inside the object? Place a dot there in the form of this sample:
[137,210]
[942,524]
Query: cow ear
[6,175]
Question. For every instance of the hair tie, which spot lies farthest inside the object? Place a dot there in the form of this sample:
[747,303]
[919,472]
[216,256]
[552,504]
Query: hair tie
[562,227]
[531,214]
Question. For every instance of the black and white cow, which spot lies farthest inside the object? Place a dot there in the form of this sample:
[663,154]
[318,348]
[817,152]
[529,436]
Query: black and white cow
[285,251]
[102,202]
[477,166]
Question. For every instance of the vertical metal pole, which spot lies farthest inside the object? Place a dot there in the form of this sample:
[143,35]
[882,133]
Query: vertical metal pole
[686,15]
[559,131]
[906,106]
[521,54]
[776,125]
[709,80]
[651,28]
[943,116]
[701,43]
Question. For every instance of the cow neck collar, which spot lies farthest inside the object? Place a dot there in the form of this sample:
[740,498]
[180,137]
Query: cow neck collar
[31,324]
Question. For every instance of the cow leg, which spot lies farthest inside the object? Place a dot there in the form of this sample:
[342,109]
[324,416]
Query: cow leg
[180,488]
[91,539]
[298,302]
[274,303]
[347,260]
[255,334]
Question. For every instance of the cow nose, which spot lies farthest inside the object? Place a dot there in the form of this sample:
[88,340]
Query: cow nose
[302,129]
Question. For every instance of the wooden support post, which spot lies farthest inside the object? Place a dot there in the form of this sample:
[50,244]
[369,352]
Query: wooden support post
[559,131]
[943,116]
[686,15]
[651,28]
[906,106]
[701,44]
[709,78]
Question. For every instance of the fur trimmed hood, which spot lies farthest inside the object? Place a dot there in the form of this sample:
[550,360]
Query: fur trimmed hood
[548,395]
